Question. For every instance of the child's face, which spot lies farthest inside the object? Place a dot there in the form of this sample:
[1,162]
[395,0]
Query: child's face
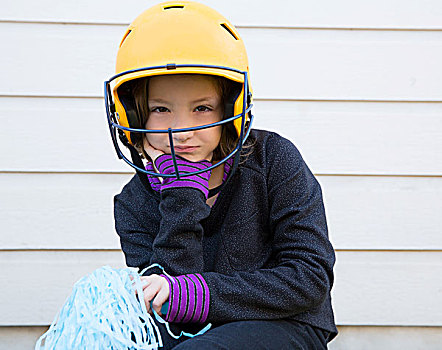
[182,101]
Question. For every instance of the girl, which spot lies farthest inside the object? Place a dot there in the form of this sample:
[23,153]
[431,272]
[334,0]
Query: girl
[233,215]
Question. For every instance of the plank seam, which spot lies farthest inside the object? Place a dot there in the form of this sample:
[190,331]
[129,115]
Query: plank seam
[269,99]
[239,26]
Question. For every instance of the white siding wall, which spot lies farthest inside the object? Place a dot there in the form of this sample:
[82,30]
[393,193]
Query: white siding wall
[357,87]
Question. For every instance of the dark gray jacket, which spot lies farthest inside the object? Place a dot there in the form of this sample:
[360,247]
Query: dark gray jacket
[263,248]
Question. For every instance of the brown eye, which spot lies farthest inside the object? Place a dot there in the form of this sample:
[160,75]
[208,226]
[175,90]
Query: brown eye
[202,109]
[159,110]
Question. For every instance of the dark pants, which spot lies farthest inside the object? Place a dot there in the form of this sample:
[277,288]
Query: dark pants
[253,335]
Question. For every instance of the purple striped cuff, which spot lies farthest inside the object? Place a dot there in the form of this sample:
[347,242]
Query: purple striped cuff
[164,164]
[189,299]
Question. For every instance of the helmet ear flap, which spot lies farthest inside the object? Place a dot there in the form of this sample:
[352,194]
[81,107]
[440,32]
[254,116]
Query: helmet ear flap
[230,98]
[229,103]
[134,119]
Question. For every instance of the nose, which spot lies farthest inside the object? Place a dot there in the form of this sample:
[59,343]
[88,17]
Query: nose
[182,137]
[182,122]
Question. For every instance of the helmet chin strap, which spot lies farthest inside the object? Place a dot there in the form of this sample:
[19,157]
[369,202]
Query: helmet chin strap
[136,159]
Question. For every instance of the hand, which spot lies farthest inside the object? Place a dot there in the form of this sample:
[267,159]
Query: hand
[153,153]
[155,289]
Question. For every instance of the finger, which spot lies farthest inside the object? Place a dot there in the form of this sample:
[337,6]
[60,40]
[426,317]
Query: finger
[144,283]
[147,146]
[143,280]
[146,280]
[149,293]
[160,299]
[152,152]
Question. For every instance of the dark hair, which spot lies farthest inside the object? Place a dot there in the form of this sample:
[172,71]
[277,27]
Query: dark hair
[226,88]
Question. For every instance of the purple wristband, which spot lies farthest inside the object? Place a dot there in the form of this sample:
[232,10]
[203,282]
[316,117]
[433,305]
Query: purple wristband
[189,299]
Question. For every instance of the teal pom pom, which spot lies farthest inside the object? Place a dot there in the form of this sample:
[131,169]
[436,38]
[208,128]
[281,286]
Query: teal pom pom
[103,312]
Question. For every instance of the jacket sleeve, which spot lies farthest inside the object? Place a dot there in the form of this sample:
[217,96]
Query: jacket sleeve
[301,273]
[176,242]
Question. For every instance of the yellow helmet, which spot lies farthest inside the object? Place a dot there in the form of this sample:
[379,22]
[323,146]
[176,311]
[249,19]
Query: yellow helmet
[177,37]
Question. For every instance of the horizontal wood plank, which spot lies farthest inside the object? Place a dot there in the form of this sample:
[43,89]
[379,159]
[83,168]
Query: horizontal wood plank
[383,212]
[388,288]
[321,13]
[75,211]
[371,288]
[58,211]
[74,60]
[360,138]
[70,134]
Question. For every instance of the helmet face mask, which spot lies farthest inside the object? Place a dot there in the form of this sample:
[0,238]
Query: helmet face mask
[138,58]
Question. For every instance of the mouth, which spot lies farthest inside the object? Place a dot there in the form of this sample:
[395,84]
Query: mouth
[185,149]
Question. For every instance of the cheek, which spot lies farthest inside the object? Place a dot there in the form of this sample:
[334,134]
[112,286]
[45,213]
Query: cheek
[154,123]
[213,136]
[156,140]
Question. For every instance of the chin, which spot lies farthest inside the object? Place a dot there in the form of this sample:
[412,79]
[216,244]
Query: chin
[192,157]
[189,157]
